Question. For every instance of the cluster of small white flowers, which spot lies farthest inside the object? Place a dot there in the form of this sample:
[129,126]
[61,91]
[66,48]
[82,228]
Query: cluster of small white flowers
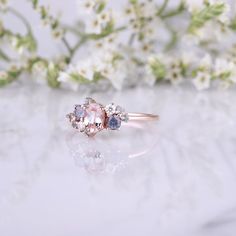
[142,20]
[197,5]
[128,45]
[48,20]
[210,20]
[202,72]
[102,65]
[98,16]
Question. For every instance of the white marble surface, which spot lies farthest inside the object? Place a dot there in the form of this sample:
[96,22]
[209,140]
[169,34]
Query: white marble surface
[177,179]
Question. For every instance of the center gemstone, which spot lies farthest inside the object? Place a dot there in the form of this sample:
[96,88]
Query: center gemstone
[94,118]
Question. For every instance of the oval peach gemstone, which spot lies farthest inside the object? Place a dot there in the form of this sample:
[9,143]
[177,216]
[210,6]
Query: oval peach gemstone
[94,118]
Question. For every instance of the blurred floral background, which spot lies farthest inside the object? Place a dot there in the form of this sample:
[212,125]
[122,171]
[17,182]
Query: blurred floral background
[108,44]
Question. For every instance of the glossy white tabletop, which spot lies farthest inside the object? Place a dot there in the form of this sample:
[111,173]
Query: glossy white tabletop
[172,177]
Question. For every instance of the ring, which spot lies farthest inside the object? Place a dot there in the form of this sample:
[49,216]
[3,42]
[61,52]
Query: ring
[92,117]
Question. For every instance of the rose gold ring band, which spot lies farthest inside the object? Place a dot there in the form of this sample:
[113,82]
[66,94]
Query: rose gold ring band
[142,117]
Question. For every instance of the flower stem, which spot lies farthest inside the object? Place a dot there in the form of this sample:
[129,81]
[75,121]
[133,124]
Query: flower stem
[174,12]
[4,56]
[163,7]
[22,18]
[67,45]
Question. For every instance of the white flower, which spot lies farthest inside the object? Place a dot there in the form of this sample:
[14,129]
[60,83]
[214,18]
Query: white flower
[189,41]
[3,75]
[148,9]
[64,77]
[107,70]
[93,26]
[197,5]
[148,67]
[174,73]
[225,16]
[223,66]
[227,70]
[104,17]
[149,78]
[39,71]
[58,33]
[117,77]
[85,69]
[109,43]
[66,80]
[98,65]
[14,41]
[3,4]
[213,32]
[232,78]
[129,11]
[189,57]
[206,62]
[194,5]
[114,71]
[202,80]
[86,6]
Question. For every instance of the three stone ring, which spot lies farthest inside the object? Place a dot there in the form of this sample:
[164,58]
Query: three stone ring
[92,117]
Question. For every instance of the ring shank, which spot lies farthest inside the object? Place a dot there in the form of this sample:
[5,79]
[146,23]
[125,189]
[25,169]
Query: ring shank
[142,117]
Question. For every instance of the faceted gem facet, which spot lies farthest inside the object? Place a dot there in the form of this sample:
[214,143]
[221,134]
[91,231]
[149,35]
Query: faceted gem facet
[114,122]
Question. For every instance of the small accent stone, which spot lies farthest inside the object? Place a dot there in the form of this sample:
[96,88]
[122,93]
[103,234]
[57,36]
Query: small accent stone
[71,117]
[89,100]
[74,124]
[119,109]
[81,126]
[110,109]
[124,117]
[114,122]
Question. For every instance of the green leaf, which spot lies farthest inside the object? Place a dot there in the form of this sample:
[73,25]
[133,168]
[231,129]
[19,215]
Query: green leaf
[43,12]
[210,12]
[35,3]
[107,30]
[158,69]
[79,78]
[14,73]
[11,75]
[97,76]
[233,24]
[101,7]
[133,1]
[52,75]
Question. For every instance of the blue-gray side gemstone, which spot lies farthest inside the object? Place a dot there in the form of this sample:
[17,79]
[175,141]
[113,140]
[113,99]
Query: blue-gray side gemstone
[79,112]
[114,122]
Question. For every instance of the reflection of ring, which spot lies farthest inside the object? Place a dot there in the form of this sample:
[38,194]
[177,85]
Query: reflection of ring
[109,155]
[92,117]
